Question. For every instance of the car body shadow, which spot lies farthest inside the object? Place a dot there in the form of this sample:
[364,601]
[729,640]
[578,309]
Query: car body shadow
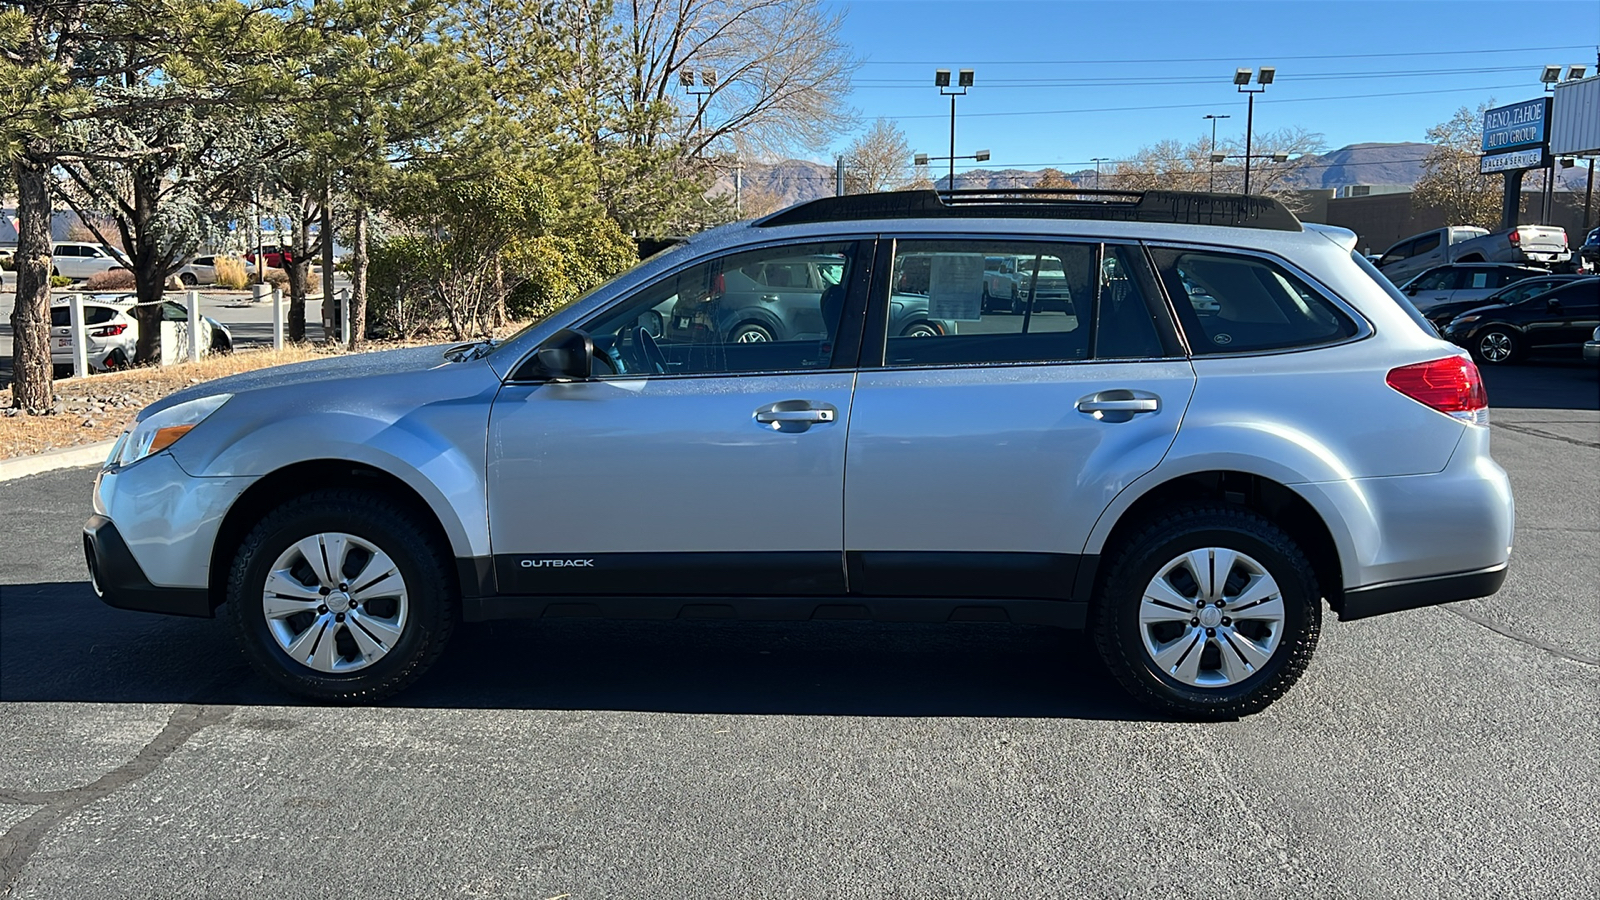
[1545,381]
[61,644]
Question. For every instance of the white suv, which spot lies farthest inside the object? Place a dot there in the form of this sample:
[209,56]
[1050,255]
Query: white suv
[77,260]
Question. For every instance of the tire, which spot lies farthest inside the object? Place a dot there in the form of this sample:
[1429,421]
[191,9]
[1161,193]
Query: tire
[751,333]
[385,640]
[58,370]
[188,279]
[920,329]
[1497,346]
[1271,636]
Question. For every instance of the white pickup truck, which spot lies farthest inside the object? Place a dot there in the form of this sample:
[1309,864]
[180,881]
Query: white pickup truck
[1539,245]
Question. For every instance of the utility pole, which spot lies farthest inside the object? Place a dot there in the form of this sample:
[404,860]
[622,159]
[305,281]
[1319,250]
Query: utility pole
[1097,161]
[838,177]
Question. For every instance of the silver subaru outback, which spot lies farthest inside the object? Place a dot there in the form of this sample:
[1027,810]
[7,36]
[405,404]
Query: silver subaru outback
[1234,420]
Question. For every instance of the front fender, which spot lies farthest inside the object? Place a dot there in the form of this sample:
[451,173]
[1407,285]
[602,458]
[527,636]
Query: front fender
[429,429]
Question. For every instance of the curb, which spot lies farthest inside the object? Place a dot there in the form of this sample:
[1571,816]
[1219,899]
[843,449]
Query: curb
[66,458]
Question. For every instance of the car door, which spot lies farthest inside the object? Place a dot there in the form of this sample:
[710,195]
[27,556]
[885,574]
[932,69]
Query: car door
[1434,287]
[980,458]
[695,465]
[1567,315]
[1429,250]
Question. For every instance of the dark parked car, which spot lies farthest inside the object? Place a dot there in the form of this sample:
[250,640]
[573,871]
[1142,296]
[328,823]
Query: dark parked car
[1504,333]
[1589,253]
[1516,292]
[1460,282]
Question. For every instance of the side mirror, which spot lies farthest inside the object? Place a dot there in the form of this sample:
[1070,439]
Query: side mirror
[1413,290]
[566,355]
[1552,304]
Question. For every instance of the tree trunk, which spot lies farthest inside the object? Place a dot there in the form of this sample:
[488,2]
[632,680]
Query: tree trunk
[150,285]
[358,280]
[30,319]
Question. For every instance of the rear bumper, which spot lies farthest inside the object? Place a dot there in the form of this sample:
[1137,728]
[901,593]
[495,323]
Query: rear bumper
[1378,599]
[118,579]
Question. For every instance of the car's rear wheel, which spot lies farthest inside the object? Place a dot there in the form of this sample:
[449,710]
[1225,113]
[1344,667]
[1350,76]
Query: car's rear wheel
[751,333]
[341,595]
[1497,346]
[188,279]
[920,329]
[1207,612]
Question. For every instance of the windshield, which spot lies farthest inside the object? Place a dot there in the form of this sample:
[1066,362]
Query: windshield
[663,252]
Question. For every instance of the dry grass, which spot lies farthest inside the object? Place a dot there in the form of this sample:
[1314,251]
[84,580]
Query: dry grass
[231,274]
[99,407]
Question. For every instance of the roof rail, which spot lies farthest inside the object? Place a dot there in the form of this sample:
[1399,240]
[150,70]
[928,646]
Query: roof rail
[1173,207]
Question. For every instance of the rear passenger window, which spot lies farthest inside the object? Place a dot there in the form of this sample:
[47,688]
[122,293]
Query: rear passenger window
[1255,304]
[975,302]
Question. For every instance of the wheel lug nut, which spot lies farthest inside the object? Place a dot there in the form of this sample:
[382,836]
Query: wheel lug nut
[322,609]
[325,591]
[1226,621]
[1210,632]
[1195,621]
[1219,604]
[339,617]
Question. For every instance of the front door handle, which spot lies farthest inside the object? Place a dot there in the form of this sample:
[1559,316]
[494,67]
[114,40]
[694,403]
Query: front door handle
[795,415]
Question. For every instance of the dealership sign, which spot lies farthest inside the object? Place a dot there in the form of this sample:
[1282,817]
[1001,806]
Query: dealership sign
[1516,136]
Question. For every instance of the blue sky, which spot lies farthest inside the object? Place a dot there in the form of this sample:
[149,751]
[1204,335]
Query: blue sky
[1123,57]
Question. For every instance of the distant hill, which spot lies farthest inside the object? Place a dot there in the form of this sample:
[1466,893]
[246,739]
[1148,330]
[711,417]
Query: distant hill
[792,181]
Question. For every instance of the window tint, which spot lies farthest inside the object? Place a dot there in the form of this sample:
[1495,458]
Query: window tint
[764,310]
[961,302]
[61,316]
[1435,280]
[1425,245]
[1579,295]
[1258,305]
[172,312]
[1397,252]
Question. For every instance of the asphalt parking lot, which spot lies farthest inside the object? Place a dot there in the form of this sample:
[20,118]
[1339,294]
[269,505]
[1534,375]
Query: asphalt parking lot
[1447,751]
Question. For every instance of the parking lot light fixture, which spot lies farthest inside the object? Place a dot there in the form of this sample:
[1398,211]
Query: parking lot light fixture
[941,80]
[1551,75]
[1241,81]
[920,159]
[1576,72]
[1214,157]
[981,156]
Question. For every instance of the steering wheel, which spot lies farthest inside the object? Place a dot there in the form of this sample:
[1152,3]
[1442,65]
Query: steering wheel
[656,360]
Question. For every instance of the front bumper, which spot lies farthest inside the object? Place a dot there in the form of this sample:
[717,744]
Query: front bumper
[118,579]
[1591,351]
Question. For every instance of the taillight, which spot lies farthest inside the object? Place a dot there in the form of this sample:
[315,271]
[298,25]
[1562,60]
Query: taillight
[1451,385]
[1515,236]
[109,331]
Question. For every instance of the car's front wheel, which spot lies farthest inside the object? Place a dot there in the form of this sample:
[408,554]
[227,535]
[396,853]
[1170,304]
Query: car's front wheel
[341,595]
[1496,346]
[1208,612]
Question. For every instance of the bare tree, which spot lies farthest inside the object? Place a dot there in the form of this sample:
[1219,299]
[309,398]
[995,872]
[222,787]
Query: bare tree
[1174,166]
[781,72]
[877,160]
[1450,181]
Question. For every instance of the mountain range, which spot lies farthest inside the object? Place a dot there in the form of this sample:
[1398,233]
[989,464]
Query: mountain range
[776,185]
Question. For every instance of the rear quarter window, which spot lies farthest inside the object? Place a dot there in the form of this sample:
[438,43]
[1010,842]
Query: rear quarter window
[1254,304]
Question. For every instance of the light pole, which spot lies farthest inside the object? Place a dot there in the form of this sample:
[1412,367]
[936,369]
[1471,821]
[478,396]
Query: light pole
[1214,148]
[708,86]
[1241,80]
[1097,161]
[941,80]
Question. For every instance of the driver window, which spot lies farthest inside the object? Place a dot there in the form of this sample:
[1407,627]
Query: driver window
[768,310]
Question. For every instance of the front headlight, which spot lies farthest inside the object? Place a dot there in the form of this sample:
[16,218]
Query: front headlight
[161,430]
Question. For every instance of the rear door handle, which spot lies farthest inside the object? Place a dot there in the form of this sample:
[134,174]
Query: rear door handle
[1138,405]
[795,415]
[1118,404]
